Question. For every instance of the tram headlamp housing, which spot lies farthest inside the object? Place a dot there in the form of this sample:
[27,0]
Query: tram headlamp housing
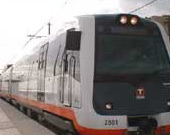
[134,20]
[129,20]
[109,106]
[123,19]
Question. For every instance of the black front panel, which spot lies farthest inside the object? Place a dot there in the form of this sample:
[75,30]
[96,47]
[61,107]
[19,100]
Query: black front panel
[131,68]
[124,98]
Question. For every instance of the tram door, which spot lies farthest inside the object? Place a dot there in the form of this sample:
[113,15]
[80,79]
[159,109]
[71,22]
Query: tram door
[68,67]
[41,72]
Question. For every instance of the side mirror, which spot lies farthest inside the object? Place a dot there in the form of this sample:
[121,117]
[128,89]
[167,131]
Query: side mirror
[73,39]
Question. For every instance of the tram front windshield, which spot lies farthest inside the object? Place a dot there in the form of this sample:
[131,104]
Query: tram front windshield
[119,54]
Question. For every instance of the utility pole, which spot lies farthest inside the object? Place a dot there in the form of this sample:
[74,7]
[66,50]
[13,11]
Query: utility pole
[49,28]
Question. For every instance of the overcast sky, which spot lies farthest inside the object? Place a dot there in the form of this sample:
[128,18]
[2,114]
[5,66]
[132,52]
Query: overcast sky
[20,18]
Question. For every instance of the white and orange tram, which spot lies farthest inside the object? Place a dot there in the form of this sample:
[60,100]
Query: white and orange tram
[100,75]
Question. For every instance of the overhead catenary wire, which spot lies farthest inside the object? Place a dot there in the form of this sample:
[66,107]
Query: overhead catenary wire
[36,33]
[64,4]
[143,6]
[39,30]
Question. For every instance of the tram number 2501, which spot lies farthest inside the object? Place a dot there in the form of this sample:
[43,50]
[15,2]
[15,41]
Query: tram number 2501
[111,122]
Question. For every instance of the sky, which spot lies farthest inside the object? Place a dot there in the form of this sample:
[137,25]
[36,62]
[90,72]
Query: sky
[19,18]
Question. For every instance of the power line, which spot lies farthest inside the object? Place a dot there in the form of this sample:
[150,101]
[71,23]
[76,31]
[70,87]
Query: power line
[65,3]
[26,43]
[141,7]
[31,38]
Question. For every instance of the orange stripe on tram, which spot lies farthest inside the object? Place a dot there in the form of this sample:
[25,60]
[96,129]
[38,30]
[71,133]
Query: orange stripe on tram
[68,113]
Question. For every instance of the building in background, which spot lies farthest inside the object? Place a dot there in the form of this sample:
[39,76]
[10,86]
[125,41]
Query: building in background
[164,20]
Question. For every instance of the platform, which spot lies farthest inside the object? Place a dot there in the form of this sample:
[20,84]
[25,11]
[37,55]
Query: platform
[13,122]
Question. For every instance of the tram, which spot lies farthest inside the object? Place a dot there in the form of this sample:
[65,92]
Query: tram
[100,75]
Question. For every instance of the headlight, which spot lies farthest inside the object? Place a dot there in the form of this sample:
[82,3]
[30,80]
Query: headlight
[109,106]
[134,21]
[123,20]
[168,103]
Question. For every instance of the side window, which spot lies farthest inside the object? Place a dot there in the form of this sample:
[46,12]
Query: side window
[77,66]
[43,56]
[65,64]
[60,61]
[56,70]
[72,64]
